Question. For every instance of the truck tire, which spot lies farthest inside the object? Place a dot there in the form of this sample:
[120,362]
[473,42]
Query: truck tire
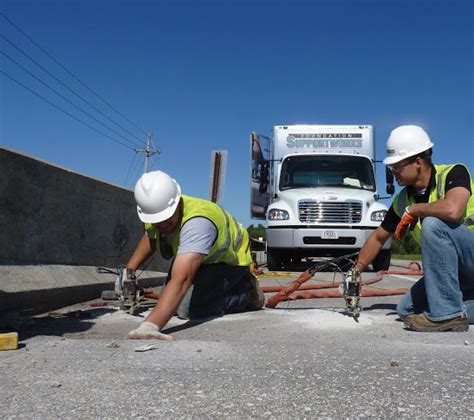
[273,260]
[382,261]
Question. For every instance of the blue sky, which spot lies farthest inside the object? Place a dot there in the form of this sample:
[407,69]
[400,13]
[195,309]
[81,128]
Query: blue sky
[201,75]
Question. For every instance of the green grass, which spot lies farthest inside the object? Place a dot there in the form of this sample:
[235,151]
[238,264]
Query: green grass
[411,257]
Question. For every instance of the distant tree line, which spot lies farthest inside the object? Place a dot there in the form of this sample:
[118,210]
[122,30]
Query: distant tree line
[257,232]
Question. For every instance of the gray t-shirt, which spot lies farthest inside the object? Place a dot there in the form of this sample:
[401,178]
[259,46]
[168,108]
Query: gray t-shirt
[197,235]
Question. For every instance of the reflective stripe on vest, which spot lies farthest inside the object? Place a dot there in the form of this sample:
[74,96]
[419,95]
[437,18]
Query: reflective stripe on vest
[231,244]
[239,236]
[402,200]
[440,182]
[237,241]
[225,246]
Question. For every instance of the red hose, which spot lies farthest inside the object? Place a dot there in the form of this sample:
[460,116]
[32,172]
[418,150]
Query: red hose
[314,294]
[306,292]
[288,290]
[412,265]
[297,290]
[326,285]
[273,289]
[403,273]
[150,294]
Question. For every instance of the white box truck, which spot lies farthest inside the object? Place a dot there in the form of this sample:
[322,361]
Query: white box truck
[315,186]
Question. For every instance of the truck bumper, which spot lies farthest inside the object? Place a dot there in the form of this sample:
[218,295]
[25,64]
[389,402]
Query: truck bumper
[312,239]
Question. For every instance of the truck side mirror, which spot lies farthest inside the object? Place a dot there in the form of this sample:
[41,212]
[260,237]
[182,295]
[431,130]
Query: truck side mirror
[389,180]
[263,187]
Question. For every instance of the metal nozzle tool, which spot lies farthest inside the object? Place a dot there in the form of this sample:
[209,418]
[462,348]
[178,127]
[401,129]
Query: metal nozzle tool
[351,292]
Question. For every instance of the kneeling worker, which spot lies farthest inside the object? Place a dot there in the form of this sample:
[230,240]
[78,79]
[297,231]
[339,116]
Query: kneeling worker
[210,274]
[437,207]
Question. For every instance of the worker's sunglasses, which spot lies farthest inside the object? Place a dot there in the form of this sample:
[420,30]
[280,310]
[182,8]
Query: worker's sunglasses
[398,167]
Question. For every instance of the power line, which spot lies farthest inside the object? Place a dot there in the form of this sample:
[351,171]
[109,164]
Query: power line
[135,173]
[62,110]
[66,99]
[67,87]
[69,72]
[129,169]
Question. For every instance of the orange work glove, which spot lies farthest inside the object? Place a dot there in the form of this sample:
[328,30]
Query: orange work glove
[408,221]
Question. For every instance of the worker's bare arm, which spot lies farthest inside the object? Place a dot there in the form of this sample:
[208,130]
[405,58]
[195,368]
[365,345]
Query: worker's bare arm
[372,247]
[182,275]
[144,250]
[450,208]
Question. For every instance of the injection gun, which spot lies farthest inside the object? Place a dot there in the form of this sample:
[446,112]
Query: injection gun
[351,288]
[127,290]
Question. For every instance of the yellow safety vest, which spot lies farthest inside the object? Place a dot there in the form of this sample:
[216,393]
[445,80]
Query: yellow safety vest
[403,200]
[231,245]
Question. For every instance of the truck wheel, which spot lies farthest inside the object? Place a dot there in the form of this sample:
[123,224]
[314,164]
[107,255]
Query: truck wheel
[273,260]
[382,261]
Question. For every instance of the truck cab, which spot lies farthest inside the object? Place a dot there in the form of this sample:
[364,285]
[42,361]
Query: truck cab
[315,186]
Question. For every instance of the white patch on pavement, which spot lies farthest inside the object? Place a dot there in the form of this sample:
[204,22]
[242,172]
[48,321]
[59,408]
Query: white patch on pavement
[314,318]
[116,315]
[238,316]
[320,319]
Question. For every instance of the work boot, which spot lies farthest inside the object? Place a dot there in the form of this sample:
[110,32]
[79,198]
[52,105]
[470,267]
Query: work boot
[257,297]
[420,323]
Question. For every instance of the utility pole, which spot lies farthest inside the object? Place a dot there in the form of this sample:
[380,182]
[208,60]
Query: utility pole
[217,176]
[148,150]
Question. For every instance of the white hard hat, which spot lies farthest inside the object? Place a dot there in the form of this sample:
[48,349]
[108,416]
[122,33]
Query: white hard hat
[157,196]
[406,141]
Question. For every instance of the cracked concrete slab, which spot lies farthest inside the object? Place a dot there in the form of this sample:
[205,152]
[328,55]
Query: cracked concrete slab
[303,359]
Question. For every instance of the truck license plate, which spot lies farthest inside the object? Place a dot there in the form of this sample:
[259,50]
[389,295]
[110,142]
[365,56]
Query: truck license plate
[329,234]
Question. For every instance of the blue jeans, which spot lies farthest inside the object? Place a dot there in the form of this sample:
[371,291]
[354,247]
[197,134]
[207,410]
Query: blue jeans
[447,288]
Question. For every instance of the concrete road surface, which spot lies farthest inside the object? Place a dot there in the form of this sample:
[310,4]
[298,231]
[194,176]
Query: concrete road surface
[304,359]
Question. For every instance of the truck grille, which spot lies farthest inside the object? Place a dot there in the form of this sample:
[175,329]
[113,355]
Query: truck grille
[316,240]
[312,211]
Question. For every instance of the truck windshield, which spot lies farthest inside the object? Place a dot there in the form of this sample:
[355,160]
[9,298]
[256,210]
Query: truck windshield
[328,171]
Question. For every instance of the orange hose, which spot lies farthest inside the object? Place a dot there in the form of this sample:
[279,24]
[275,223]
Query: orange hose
[273,289]
[403,273]
[326,285]
[315,294]
[288,290]
[150,294]
[307,292]
[412,265]
[297,290]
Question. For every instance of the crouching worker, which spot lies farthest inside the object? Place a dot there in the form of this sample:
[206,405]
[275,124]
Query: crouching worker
[436,206]
[210,274]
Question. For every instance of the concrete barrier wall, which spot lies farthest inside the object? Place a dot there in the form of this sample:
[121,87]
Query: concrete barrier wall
[49,215]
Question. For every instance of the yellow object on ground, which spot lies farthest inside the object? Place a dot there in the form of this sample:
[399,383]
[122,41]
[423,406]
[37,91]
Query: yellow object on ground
[8,341]
[274,274]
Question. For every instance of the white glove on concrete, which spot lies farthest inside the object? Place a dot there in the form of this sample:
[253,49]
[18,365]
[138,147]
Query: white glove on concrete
[148,330]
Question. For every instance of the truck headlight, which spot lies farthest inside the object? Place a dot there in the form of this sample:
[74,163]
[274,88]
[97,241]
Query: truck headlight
[378,216]
[277,214]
